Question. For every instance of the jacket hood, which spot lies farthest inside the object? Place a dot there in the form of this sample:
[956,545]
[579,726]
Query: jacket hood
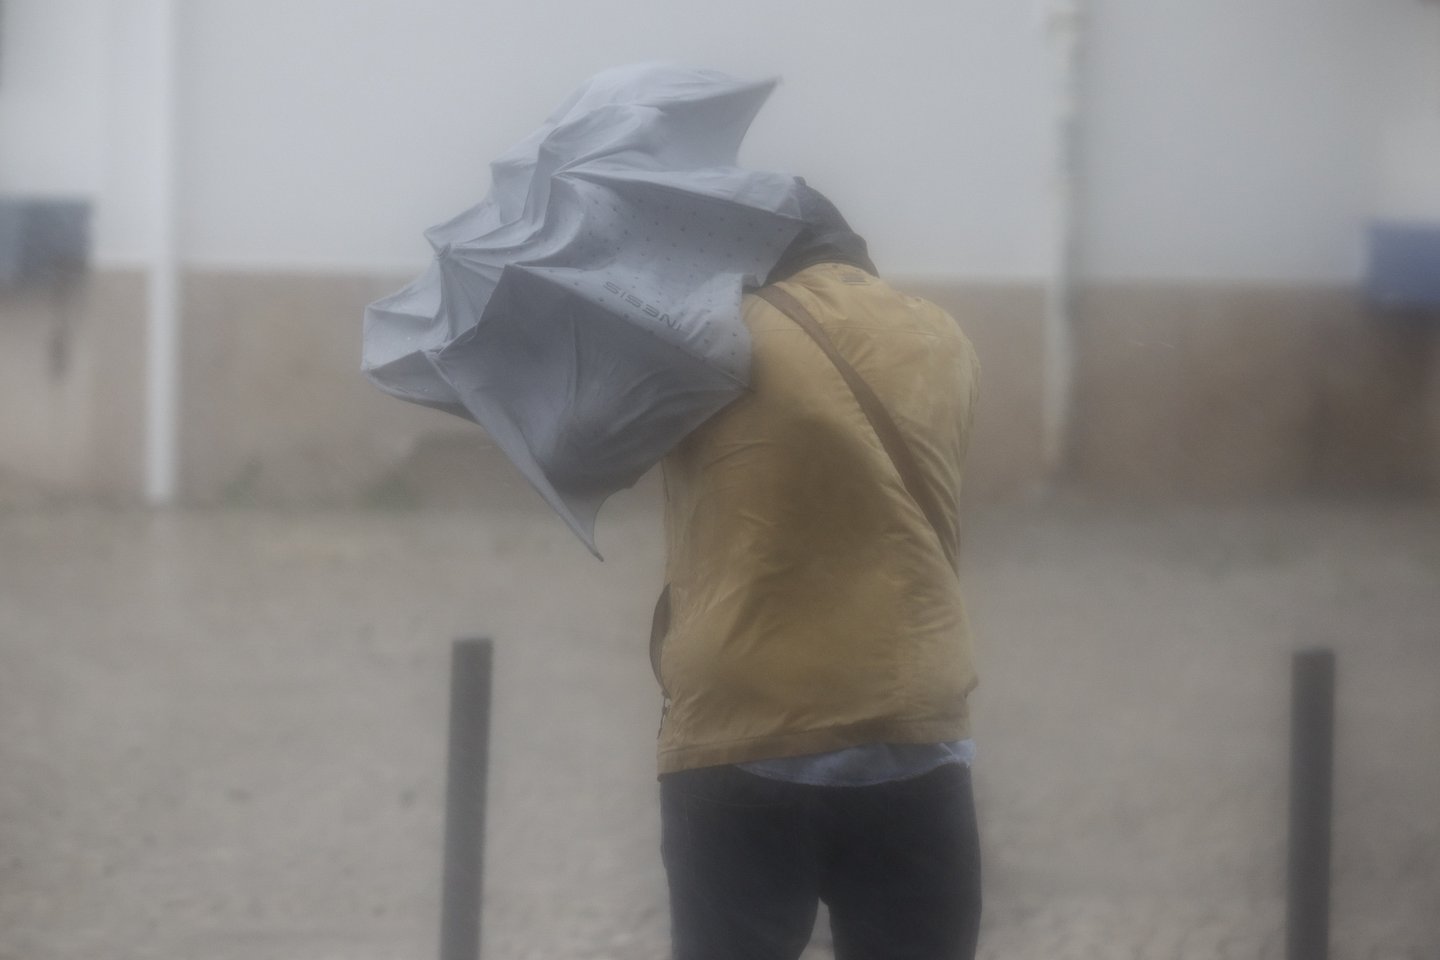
[825,238]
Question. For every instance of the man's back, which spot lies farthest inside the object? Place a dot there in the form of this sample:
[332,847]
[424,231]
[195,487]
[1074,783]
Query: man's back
[814,607]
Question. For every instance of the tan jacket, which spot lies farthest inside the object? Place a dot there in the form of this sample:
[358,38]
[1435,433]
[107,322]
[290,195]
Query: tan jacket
[812,606]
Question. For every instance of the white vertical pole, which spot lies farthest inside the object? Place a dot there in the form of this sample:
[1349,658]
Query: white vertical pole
[1065,27]
[163,325]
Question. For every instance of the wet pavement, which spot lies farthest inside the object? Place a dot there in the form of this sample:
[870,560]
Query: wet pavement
[222,734]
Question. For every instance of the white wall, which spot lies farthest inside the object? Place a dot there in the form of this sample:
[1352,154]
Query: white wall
[78,115]
[1231,139]
[1409,173]
[52,97]
[332,132]
[127,221]
[1226,139]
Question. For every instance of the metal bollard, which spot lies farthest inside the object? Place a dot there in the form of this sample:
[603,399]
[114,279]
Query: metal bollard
[1312,735]
[470,670]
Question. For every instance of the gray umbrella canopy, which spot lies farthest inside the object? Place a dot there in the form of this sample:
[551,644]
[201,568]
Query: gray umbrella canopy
[586,313]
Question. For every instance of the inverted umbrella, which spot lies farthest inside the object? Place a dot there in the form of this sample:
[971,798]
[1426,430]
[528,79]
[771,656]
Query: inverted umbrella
[586,312]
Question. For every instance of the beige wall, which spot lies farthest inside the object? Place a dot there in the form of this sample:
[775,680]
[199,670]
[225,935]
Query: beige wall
[1209,391]
[283,414]
[70,384]
[1182,390]
[297,422]
[274,407]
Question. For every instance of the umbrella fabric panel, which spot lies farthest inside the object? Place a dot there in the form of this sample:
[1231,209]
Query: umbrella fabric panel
[588,403]
[586,312]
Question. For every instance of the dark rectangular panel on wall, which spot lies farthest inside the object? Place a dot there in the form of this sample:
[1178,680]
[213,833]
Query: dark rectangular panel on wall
[1404,268]
[43,239]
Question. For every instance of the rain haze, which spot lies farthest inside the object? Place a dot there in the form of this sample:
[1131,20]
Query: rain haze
[1196,247]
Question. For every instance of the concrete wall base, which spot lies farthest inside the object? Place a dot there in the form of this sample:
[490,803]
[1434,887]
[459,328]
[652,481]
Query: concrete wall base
[1195,391]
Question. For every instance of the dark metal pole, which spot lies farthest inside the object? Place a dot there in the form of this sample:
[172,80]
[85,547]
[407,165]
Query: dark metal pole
[470,669]
[1312,736]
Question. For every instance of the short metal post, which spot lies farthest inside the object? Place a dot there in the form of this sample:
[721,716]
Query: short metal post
[470,670]
[1312,735]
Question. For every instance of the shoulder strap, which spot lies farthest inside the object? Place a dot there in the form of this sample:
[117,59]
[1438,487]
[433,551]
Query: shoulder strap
[884,425]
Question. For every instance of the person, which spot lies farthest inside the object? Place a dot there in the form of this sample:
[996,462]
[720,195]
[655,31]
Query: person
[811,643]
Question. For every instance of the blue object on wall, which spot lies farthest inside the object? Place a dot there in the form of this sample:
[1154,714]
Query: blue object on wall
[42,239]
[1404,268]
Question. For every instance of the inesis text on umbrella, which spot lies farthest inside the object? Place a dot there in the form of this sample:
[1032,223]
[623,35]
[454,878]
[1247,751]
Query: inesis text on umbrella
[635,301]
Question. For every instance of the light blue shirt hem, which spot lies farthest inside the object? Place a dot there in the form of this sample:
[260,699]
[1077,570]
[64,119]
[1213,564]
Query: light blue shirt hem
[865,765]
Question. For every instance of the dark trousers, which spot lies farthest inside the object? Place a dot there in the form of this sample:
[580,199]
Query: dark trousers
[749,858]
